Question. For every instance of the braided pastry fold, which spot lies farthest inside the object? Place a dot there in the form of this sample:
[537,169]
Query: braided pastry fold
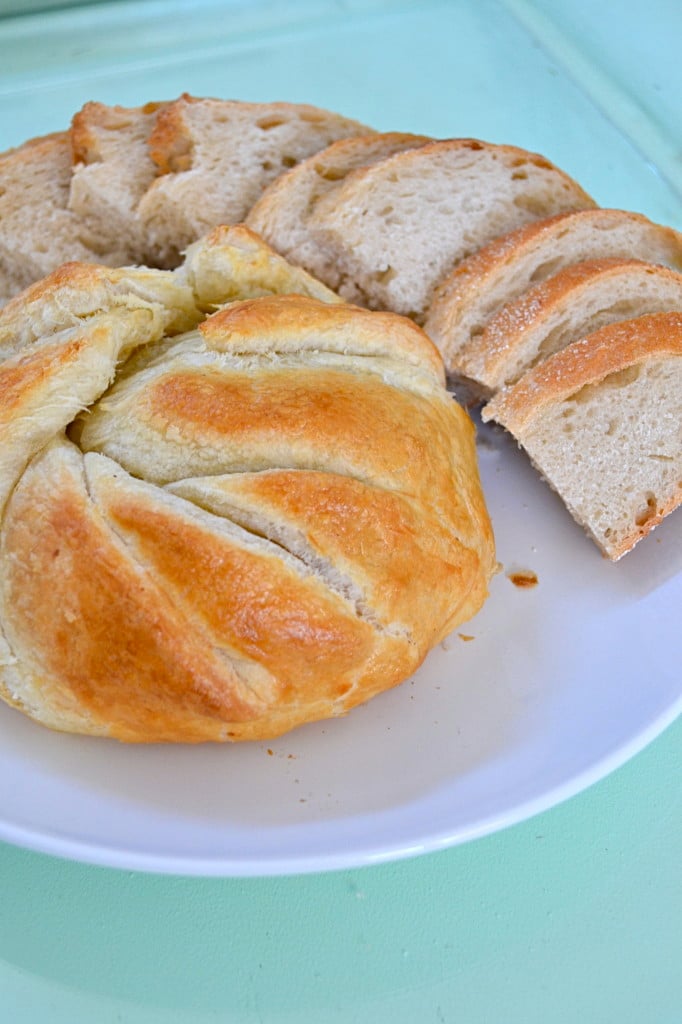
[223,527]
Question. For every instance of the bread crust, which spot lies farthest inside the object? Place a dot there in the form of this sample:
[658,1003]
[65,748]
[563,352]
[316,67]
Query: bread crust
[479,286]
[614,348]
[293,323]
[254,525]
[76,291]
[232,262]
[566,306]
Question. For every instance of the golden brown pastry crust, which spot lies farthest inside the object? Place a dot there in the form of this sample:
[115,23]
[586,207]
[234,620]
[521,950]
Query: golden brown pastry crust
[254,525]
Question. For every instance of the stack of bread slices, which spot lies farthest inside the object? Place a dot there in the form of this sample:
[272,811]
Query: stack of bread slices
[563,318]
[137,185]
[570,332]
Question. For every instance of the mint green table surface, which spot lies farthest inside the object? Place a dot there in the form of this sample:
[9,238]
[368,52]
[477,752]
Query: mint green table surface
[574,917]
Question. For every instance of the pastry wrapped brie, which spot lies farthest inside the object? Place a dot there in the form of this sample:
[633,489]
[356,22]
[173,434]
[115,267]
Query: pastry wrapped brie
[221,528]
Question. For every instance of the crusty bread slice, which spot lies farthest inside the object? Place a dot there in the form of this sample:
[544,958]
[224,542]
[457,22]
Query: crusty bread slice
[482,284]
[397,227]
[216,157]
[281,214]
[38,230]
[572,303]
[112,170]
[602,422]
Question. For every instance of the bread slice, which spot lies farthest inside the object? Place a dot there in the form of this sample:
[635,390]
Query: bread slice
[216,157]
[572,303]
[282,213]
[397,227]
[112,170]
[499,272]
[38,230]
[602,422]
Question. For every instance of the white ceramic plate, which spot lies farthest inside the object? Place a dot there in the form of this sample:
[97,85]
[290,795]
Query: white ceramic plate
[560,683]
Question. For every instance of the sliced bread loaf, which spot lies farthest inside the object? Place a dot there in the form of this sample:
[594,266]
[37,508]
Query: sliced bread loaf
[602,422]
[38,230]
[482,284]
[397,227]
[216,157]
[572,303]
[282,213]
[112,170]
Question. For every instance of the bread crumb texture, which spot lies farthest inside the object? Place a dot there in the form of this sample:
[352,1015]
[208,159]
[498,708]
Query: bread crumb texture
[602,421]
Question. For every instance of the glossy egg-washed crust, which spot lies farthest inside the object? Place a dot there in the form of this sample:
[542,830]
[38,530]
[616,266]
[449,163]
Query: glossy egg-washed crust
[229,532]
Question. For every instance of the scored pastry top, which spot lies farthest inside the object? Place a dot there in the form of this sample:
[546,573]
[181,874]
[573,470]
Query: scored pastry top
[223,527]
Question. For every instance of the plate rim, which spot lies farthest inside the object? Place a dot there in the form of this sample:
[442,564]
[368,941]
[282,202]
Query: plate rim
[106,856]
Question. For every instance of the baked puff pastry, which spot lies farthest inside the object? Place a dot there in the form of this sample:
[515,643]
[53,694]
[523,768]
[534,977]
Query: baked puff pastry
[222,527]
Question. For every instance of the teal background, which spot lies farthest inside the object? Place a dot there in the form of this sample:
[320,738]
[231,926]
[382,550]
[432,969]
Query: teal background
[573,916]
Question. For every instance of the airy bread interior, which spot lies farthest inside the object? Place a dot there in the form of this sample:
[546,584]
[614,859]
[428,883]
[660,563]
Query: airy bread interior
[601,422]
[282,214]
[397,227]
[215,158]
